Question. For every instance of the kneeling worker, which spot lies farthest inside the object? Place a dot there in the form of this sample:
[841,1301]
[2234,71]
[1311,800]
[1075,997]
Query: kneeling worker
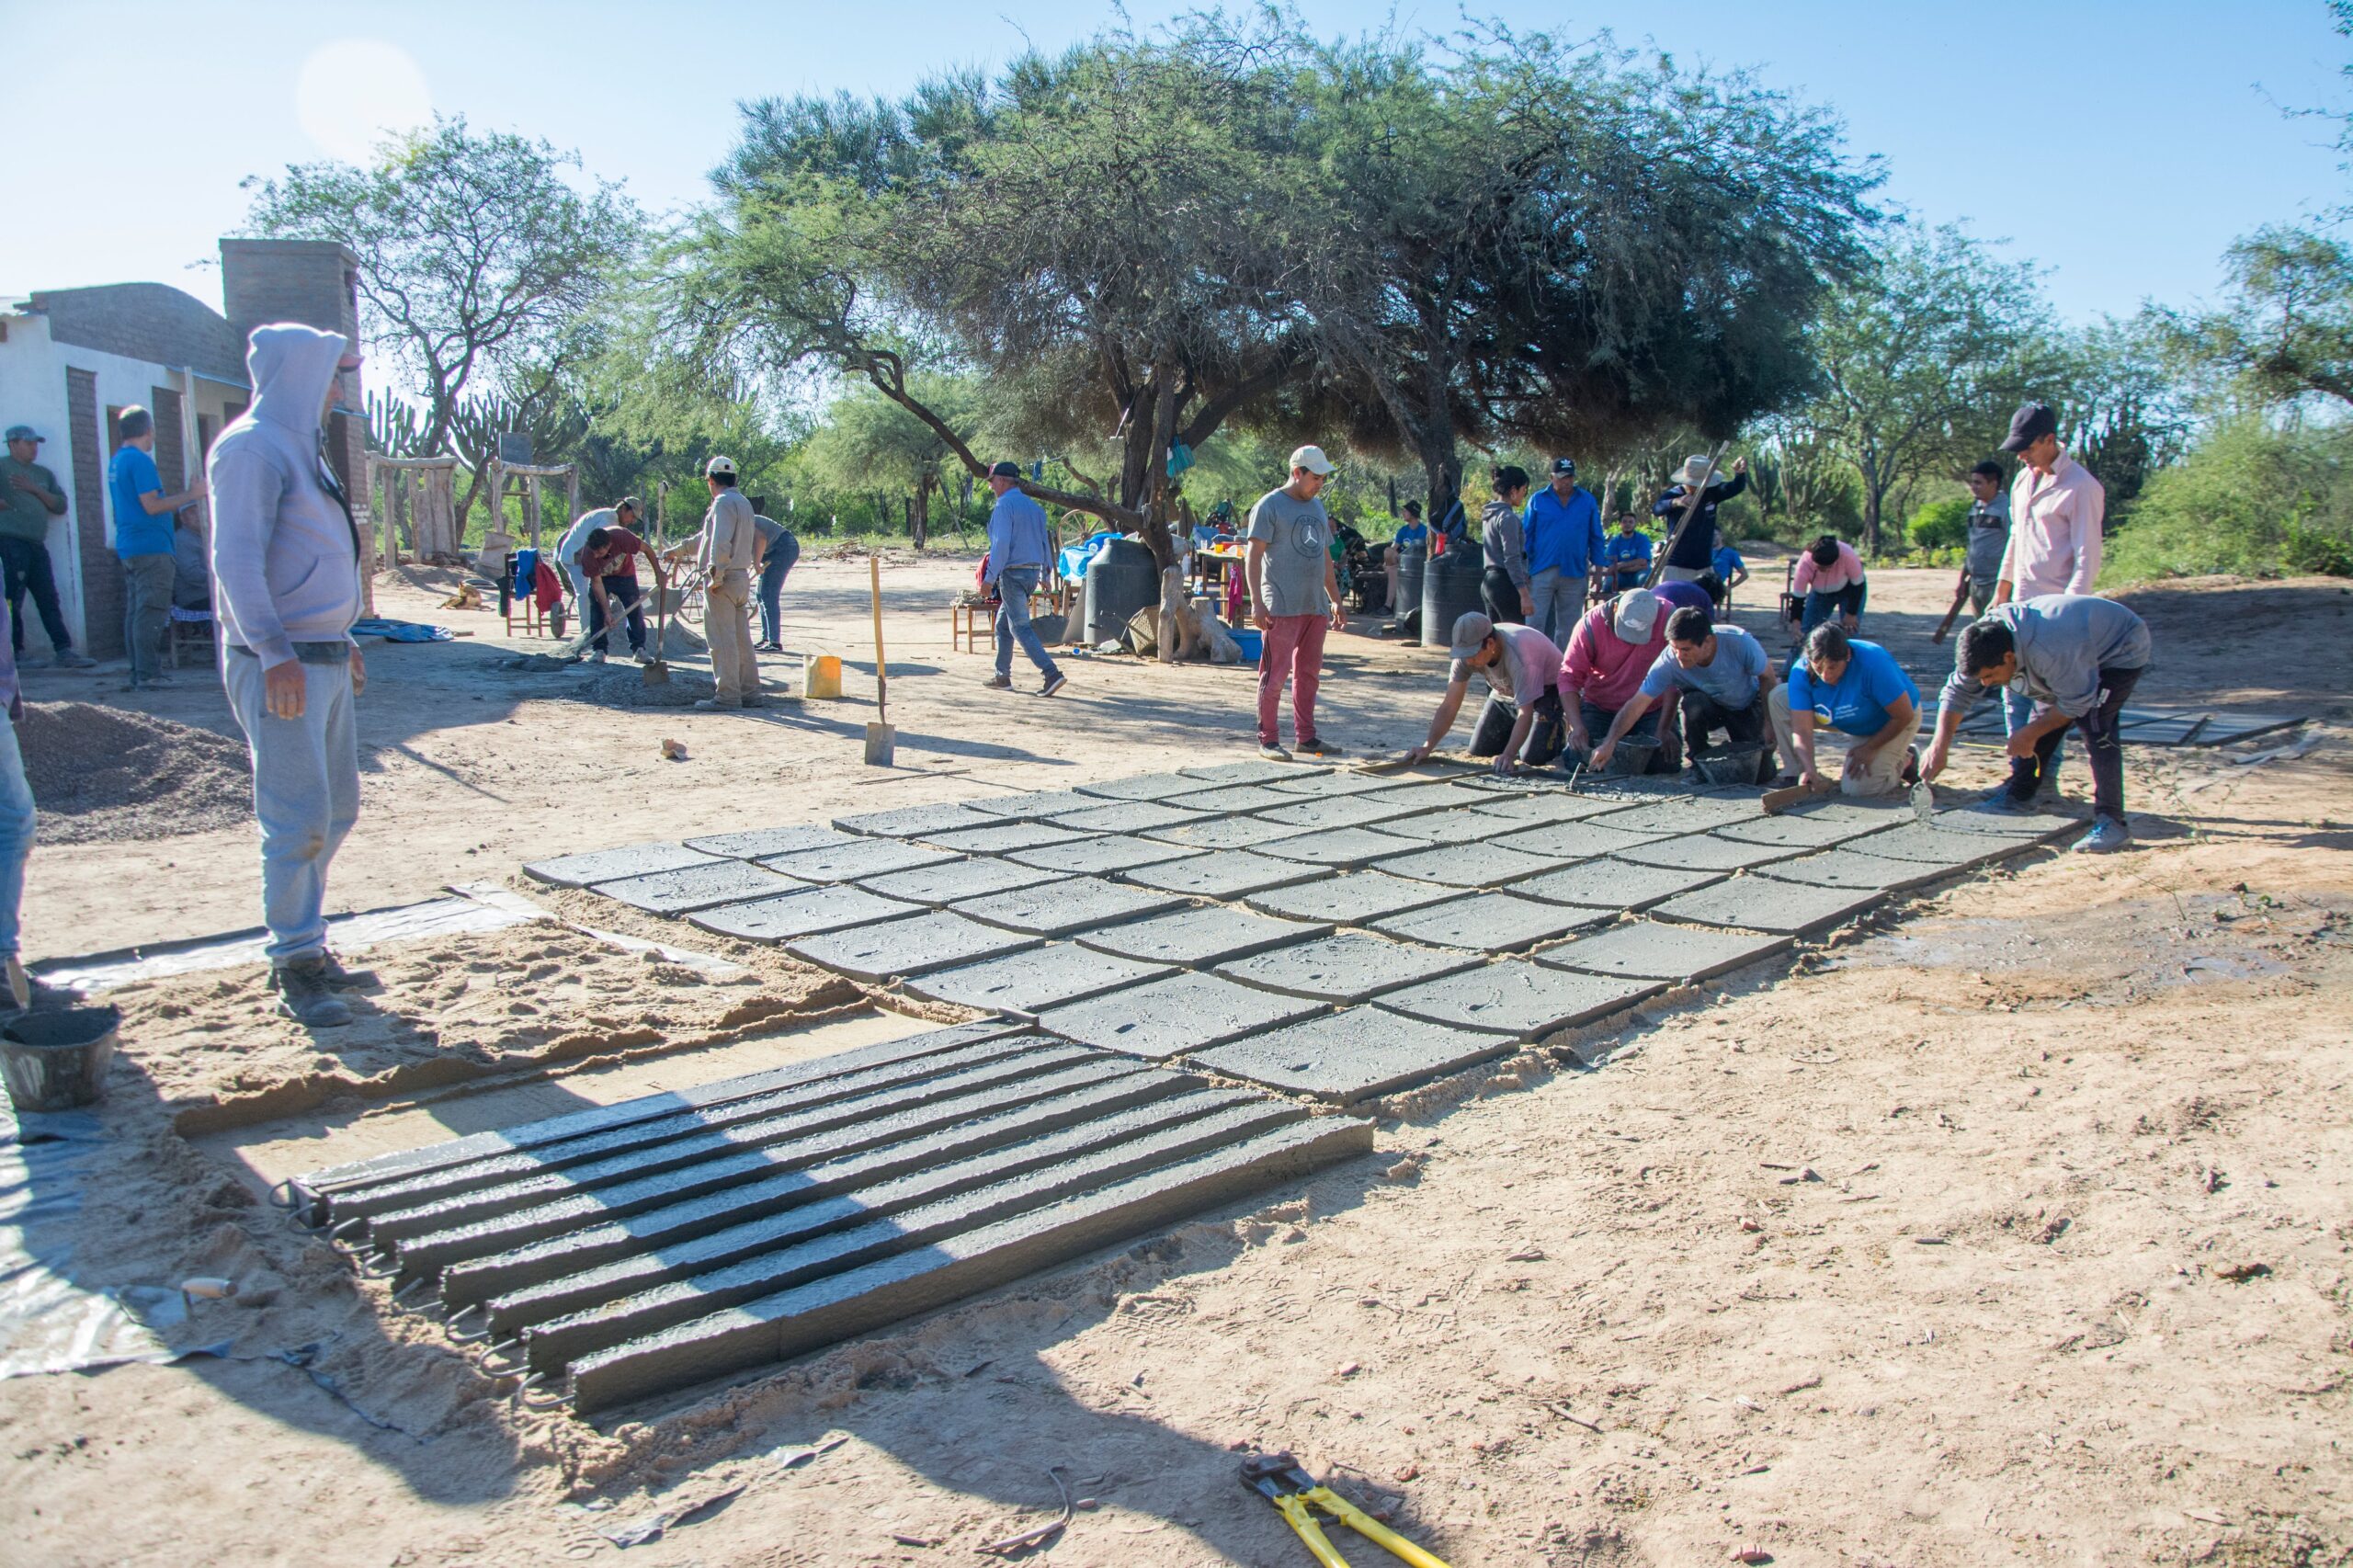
[1722,676]
[1857,689]
[1521,722]
[2076,658]
[1613,647]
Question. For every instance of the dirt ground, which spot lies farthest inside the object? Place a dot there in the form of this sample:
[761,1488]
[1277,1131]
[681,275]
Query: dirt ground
[2012,1227]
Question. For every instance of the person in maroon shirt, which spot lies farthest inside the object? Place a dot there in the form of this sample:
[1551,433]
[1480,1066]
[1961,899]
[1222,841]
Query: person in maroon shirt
[609,560]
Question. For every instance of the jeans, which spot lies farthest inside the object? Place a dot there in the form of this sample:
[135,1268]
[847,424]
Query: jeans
[1014,587]
[625,592]
[2101,745]
[306,794]
[1294,651]
[772,578]
[727,623]
[147,613]
[15,835]
[2017,708]
[1559,600]
[1703,715]
[1820,607]
[26,562]
[1545,732]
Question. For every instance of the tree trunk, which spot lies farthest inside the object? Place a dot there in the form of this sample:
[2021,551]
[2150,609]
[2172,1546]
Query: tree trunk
[919,519]
[1442,471]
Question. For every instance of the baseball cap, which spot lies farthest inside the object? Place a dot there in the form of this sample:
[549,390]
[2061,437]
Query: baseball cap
[2032,422]
[350,359]
[719,467]
[25,433]
[1636,615]
[628,503]
[1470,630]
[1565,468]
[1005,471]
[1312,459]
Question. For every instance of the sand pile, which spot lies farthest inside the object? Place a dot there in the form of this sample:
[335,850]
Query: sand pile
[100,775]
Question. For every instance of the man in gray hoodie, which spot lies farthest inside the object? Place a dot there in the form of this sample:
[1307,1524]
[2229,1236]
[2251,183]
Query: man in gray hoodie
[286,588]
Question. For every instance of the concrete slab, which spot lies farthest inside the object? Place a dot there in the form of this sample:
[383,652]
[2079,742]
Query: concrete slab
[1452,824]
[955,1264]
[914,822]
[1492,922]
[1805,830]
[1169,1017]
[914,945]
[1652,950]
[1036,805]
[1355,1055]
[858,859]
[1984,819]
[798,914]
[1575,841]
[1614,884]
[1252,772]
[1026,983]
[1069,905]
[1337,848]
[1198,937]
[1232,800]
[612,865]
[1353,898]
[1344,781]
[759,842]
[1706,852]
[1002,839]
[956,881]
[1853,868]
[1942,847]
[1484,865]
[1095,853]
[1524,1001]
[698,887]
[1346,811]
[1129,816]
[1536,810]
[1143,787]
[1224,873]
[1351,966]
[1222,832]
[1689,813]
[1761,903]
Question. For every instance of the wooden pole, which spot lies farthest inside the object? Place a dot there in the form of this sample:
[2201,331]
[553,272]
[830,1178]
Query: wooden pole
[881,675]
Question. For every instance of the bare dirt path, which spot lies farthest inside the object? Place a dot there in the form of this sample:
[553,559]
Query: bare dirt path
[2014,1231]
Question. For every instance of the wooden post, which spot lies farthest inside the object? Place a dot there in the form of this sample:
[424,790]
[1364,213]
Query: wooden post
[571,493]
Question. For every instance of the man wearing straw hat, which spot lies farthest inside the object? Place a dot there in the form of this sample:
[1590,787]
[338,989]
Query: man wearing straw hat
[1694,552]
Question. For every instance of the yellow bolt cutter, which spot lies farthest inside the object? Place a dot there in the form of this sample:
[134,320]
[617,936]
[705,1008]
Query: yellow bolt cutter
[1279,1479]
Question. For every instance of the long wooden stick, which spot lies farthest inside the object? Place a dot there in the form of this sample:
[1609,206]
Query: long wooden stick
[882,677]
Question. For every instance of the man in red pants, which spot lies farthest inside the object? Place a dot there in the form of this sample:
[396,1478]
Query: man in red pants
[1294,597]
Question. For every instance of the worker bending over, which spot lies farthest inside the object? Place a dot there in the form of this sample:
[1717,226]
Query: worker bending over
[1613,647]
[1857,689]
[1522,724]
[1723,676]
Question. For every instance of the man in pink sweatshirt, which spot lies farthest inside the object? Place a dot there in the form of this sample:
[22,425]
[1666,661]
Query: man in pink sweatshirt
[1612,647]
[2057,514]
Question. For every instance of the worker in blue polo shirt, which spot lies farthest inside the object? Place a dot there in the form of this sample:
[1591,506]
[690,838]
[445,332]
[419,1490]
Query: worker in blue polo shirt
[1628,555]
[1857,689]
[1564,544]
[1412,531]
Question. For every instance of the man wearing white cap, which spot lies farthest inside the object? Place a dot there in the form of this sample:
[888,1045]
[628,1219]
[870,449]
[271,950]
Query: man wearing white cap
[1294,597]
[1521,723]
[725,554]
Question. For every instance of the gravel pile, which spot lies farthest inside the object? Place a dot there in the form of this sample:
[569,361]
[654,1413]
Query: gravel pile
[102,774]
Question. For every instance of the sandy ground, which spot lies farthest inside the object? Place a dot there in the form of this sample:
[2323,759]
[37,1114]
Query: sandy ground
[2014,1230]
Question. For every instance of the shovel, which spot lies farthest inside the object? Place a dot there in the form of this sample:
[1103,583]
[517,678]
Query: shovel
[881,741]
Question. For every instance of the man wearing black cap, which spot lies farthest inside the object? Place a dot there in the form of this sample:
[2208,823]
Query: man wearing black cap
[30,497]
[1017,546]
[2057,513]
[1564,542]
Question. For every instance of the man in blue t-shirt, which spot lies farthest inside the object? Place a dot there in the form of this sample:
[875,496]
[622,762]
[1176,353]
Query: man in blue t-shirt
[1412,531]
[144,541]
[1628,555]
[1857,689]
[1724,677]
[1729,572]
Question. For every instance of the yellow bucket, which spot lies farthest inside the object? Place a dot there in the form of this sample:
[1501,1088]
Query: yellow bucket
[821,675]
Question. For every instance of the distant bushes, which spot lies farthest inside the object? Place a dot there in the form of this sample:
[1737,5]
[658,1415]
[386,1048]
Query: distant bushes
[2254,499]
[1940,525]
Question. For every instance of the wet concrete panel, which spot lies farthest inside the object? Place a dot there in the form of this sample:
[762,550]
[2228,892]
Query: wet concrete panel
[1353,898]
[1069,905]
[1492,922]
[1201,936]
[1351,966]
[613,865]
[1328,786]
[1223,833]
[914,822]
[1347,810]
[1002,839]
[1143,787]
[1097,855]
[1652,950]
[1224,873]
[1984,819]
[1128,816]
[1853,868]
[698,887]
[1706,852]
[1233,800]
[1170,1018]
[1688,814]
[1524,1001]
[1805,830]
[798,914]
[1940,846]
[1761,903]
[1026,983]
[1538,809]
[1337,848]
[859,858]
[1573,841]
[1252,772]
[759,842]
[1452,824]
[1484,865]
[956,881]
[914,945]
[1355,1055]
[1035,805]
[1613,884]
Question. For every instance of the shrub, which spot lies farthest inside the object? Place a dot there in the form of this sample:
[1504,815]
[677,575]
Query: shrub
[1940,525]
[2252,498]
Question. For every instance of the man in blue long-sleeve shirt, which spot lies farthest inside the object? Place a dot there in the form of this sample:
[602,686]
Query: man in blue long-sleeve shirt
[1017,546]
[1565,541]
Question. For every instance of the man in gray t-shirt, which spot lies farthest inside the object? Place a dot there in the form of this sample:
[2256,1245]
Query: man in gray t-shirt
[1723,674]
[1293,598]
[1988,538]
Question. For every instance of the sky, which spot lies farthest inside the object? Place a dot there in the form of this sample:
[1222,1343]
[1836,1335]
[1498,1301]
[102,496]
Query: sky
[2119,144]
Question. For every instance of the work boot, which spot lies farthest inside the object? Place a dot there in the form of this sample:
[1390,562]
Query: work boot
[2107,835]
[305,996]
[343,979]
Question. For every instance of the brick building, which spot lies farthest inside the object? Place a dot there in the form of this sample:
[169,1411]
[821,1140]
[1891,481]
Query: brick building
[72,360]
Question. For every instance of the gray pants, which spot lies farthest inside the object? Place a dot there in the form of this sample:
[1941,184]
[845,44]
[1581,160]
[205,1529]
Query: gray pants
[306,794]
[147,614]
[1560,601]
[1681,573]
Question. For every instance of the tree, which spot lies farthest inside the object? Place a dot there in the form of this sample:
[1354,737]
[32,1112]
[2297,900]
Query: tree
[869,439]
[1924,356]
[2287,329]
[479,258]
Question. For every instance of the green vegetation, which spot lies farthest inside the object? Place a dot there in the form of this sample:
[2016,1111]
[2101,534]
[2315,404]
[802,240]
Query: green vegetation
[2252,498]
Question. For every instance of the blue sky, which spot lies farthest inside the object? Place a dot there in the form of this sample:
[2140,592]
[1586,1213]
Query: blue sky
[2120,145]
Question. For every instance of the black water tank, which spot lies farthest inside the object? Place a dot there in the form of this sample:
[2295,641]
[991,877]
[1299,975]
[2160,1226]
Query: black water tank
[1411,560]
[1120,580]
[1451,588]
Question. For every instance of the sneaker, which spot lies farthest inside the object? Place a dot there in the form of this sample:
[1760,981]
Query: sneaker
[755,700]
[713,705]
[305,996]
[597,657]
[31,662]
[2107,835]
[1273,753]
[997,683]
[70,660]
[1055,683]
[1911,771]
[1321,747]
[2000,798]
[2046,790]
[640,656]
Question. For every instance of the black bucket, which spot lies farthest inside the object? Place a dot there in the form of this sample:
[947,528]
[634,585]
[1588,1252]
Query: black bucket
[56,1058]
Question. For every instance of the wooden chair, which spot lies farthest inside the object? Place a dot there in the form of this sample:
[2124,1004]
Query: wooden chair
[191,629]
